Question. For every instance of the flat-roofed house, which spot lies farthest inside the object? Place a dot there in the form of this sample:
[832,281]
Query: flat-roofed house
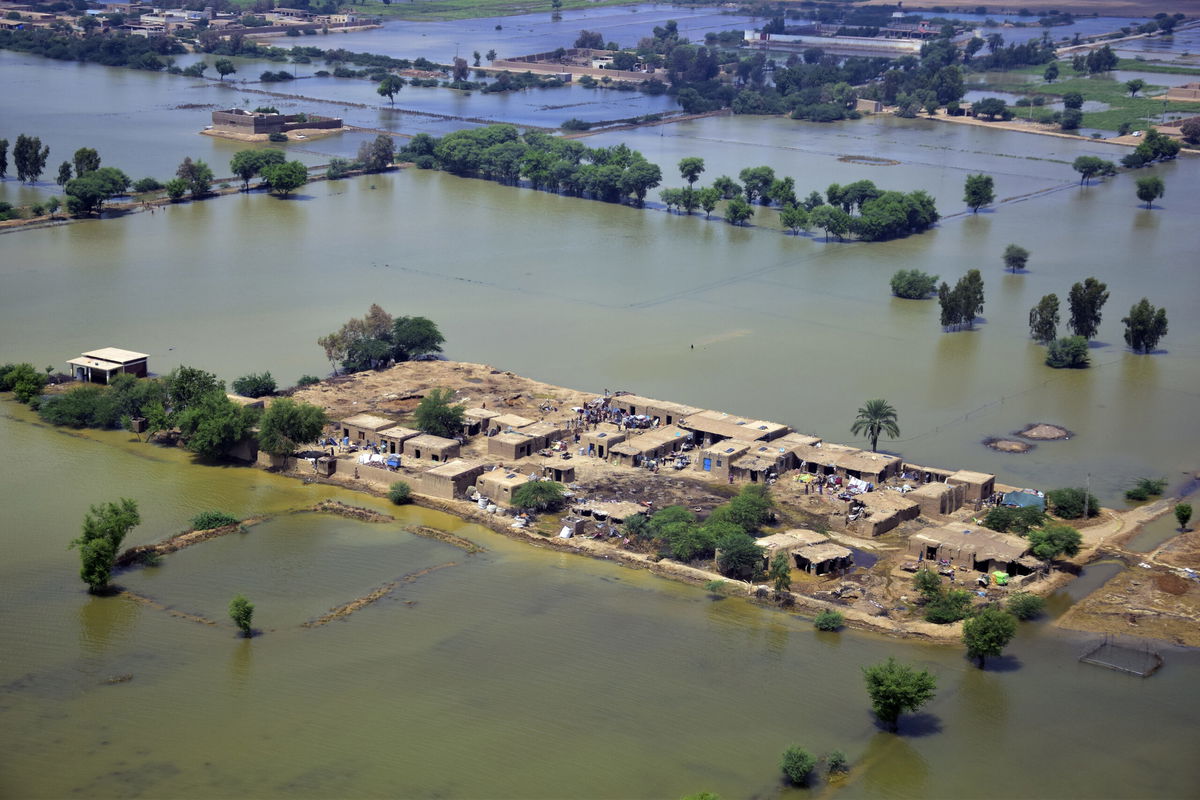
[499,485]
[392,439]
[717,458]
[668,413]
[511,446]
[762,461]
[475,420]
[655,443]
[596,443]
[449,481]
[977,486]
[99,366]
[713,426]
[975,548]
[431,449]
[937,499]
[365,427]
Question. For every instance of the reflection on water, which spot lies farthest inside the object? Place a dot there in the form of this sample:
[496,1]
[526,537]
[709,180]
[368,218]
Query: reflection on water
[105,622]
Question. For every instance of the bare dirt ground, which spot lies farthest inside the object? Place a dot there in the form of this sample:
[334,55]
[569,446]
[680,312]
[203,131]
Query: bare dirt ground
[1153,603]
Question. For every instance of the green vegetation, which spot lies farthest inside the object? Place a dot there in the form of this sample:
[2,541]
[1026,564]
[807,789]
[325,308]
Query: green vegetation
[241,611]
[1150,189]
[400,493]
[377,154]
[29,157]
[104,529]
[780,573]
[1145,487]
[287,424]
[895,688]
[1072,503]
[950,605]
[378,338]
[307,380]
[988,633]
[1055,539]
[255,385]
[829,620]
[876,417]
[1024,605]
[207,520]
[213,424]
[797,765]
[87,193]
[197,176]
[539,495]
[1015,257]
[1183,515]
[1145,326]
[437,414]
[1089,167]
[1014,520]
[1070,352]
[389,87]
[247,163]
[1086,300]
[979,191]
[836,762]
[912,284]
[1043,319]
[23,380]
[960,305]
[927,583]
[283,179]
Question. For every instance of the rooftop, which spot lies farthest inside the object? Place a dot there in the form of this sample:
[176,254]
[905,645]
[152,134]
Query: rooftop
[511,421]
[981,541]
[399,432]
[452,469]
[429,440]
[116,355]
[796,537]
[480,413]
[824,551]
[368,422]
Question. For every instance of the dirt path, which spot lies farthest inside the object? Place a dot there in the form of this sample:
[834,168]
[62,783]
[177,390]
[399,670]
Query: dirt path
[346,609]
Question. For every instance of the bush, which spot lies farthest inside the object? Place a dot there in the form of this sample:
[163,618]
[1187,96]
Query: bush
[207,520]
[22,380]
[538,495]
[829,620]
[574,124]
[425,162]
[797,764]
[307,380]
[1070,503]
[176,187]
[277,137]
[1146,487]
[1024,605]
[338,169]
[1068,353]
[400,493]
[1014,520]
[836,762]
[147,185]
[255,385]
[951,606]
[87,406]
[912,284]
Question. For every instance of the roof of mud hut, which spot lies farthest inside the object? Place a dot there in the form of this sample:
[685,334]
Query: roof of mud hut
[369,422]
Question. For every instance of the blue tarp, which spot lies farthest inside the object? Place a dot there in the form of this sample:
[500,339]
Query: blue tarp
[393,462]
[1024,500]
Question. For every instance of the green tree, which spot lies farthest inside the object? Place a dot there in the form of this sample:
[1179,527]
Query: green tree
[248,163]
[175,188]
[186,386]
[241,611]
[413,337]
[255,385]
[86,160]
[197,175]
[780,574]
[377,154]
[1183,514]
[389,87]
[979,191]
[287,424]
[755,182]
[793,217]
[104,529]
[829,620]
[797,765]
[949,606]
[29,157]
[87,193]
[437,415]
[988,633]
[1089,167]
[1072,503]
[708,198]
[912,284]
[1072,100]
[539,495]
[224,66]
[1015,257]
[1054,539]
[1070,352]
[208,520]
[64,173]
[1024,605]
[400,493]
[876,417]
[738,555]
[1071,119]
[285,178]
[990,107]
[1043,319]
[1150,189]
[1051,73]
[738,211]
[895,688]
[1086,300]
[1134,86]
[728,187]
[690,169]
[831,220]
[638,178]
[3,157]
[1145,326]
[782,192]
[213,424]
[927,583]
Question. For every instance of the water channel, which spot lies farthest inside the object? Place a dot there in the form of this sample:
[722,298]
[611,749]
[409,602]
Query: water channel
[525,673]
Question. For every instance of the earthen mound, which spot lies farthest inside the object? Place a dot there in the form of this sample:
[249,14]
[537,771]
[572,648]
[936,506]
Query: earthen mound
[1008,445]
[1044,432]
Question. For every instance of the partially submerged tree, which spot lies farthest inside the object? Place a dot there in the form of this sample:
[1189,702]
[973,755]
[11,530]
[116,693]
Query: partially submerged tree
[389,87]
[1145,326]
[1149,189]
[1086,300]
[104,529]
[988,633]
[241,611]
[1015,257]
[797,765]
[1043,319]
[978,192]
[780,573]
[895,688]
[287,424]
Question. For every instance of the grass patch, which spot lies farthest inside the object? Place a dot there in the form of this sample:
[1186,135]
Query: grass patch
[1140,112]
[1133,65]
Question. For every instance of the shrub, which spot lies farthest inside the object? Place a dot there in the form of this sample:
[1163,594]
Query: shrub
[538,495]
[176,187]
[1146,487]
[912,284]
[836,762]
[147,185]
[277,137]
[84,407]
[574,124]
[797,764]
[715,586]
[207,520]
[425,162]
[307,380]
[1068,353]
[829,620]
[400,493]
[1015,520]
[338,169]
[255,385]
[22,380]
[951,606]
[1070,503]
[1024,605]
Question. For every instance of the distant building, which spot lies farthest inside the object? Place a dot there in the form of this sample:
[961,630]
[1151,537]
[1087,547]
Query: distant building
[99,366]
[242,121]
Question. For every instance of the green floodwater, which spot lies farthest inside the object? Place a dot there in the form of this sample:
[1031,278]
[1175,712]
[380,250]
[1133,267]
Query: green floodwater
[527,673]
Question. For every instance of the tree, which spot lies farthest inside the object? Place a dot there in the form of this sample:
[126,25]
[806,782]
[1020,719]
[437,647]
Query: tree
[1071,119]
[738,211]
[1134,86]
[1190,130]
[738,555]
[400,493]
[728,187]
[389,87]
[780,573]
[1024,605]
[1043,319]
[285,178]
[286,424]
[224,67]
[755,182]
[1150,189]
[538,495]
[490,55]
[377,154]
[1090,166]
[1073,101]
[949,606]
[197,175]
[175,188]
[1183,514]
[988,633]
[895,688]
[1070,352]
[248,163]
[214,424]
[1015,257]
[64,173]
[86,160]
[831,220]
[794,218]
[874,418]
[241,611]
[979,192]
[413,337]
[690,168]
[3,157]
[88,192]
[829,620]
[990,107]
[797,764]
[782,192]
[436,414]
[1054,539]
[708,198]
[1072,503]
[1145,326]
[638,178]
[1051,73]
[29,157]
[104,528]
[927,583]
[25,382]
[1086,301]
[912,284]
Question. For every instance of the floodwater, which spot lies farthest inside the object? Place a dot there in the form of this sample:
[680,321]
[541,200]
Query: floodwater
[527,673]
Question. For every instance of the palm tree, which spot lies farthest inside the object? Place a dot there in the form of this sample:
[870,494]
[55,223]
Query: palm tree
[876,417]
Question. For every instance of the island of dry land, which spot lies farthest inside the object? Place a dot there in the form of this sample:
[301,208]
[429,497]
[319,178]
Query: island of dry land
[854,525]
